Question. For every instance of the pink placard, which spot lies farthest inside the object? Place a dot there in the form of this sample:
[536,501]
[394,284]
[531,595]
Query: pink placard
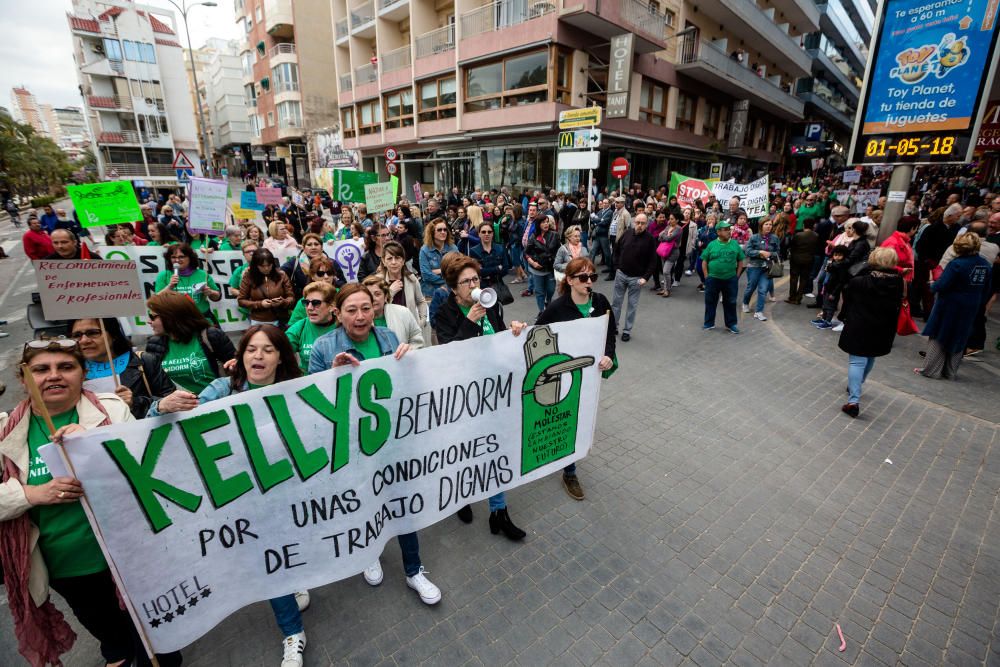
[270,196]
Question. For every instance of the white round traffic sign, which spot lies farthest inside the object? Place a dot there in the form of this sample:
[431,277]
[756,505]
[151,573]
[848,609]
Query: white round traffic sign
[391,154]
[391,168]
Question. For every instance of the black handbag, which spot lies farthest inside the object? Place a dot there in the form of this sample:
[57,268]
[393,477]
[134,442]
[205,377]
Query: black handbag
[503,293]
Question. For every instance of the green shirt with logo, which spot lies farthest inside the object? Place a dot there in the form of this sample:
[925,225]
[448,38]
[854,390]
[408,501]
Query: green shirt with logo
[722,258]
[67,542]
[302,335]
[484,323]
[187,366]
[186,285]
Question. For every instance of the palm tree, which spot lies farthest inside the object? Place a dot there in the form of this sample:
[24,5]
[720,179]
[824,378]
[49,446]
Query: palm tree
[29,162]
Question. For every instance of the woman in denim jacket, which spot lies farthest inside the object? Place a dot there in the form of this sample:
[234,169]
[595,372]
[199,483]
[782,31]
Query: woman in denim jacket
[438,242]
[762,249]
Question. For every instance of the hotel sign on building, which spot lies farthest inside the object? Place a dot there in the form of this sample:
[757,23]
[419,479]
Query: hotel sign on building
[620,75]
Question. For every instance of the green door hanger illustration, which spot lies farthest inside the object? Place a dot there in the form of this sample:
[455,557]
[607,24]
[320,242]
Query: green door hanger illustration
[548,423]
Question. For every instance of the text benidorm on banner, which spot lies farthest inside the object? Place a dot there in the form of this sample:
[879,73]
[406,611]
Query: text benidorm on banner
[296,485]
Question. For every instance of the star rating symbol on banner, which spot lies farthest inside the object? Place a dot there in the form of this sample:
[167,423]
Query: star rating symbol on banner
[193,601]
[180,610]
[169,616]
[155,623]
[205,593]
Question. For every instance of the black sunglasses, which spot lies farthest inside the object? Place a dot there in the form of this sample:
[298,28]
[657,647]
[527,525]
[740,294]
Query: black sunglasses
[313,303]
[587,277]
[323,274]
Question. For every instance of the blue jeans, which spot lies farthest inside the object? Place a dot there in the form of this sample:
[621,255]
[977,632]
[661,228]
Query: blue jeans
[410,548]
[857,372]
[570,470]
[757,279]
[728,288]
[287,615]
[498,502]
[515,254]
[603,243]
[544,287]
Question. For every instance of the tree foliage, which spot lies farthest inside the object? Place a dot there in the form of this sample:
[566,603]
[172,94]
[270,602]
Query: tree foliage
[29,163]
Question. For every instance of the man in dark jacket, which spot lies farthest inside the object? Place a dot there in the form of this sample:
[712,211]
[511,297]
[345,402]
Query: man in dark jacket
[635,257]
[931,246]
[801,251]
[600,224]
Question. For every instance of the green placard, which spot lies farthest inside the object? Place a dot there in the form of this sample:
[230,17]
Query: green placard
[349,186]
[110,203]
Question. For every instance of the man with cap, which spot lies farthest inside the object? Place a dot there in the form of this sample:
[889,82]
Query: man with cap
[635,257]
[621,220]
[722,261]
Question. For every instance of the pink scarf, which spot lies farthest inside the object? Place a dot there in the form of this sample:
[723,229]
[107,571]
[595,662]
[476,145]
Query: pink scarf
[42,632]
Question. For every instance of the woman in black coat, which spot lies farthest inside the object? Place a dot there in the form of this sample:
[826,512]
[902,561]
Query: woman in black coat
[872,300]
[141,380]
[576,296]
[540,253]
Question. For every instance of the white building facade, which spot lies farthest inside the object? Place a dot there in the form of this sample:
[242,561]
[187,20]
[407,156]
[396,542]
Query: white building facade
[229,125]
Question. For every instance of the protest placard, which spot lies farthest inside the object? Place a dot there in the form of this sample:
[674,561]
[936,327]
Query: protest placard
[248,200]
[243,213]
[270,196]
[207,206]
[753,195]
[379,197]
[850,176]
[348,255]
[75,288]
[688,189]
[349,185]
[296,485]
[865,198]
[297,199]
[100,204]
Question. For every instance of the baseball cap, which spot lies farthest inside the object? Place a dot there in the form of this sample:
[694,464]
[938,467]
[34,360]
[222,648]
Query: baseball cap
[620,199]
[723,225]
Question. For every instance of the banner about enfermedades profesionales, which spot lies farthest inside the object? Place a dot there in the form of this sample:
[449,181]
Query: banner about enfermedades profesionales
[303,483]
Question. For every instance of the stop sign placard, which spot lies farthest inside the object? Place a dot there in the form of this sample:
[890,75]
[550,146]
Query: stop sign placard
[619,167]
[693,189]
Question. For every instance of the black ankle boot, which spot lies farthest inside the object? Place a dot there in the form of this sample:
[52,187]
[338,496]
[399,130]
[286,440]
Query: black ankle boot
[465,514]
[500,520]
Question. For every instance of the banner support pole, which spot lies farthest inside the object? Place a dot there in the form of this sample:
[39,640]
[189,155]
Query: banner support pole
[107,348]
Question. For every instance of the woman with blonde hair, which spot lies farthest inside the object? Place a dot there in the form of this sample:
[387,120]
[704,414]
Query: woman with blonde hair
[280,242]
[572,248]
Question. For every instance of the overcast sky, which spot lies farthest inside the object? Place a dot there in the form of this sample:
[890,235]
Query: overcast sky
[36,50]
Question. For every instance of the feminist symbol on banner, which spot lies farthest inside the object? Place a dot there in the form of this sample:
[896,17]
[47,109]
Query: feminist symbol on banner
[349,257]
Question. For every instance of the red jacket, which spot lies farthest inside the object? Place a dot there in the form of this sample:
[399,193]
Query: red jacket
[37,245]
[900,242]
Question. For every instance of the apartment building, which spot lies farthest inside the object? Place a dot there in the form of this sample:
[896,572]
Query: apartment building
[68,128]
[135,89]
[469,91]
[226,107]
[24,109]
[288,85]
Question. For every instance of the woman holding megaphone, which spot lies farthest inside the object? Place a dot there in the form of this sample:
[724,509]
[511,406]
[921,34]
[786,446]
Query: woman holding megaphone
[470,312]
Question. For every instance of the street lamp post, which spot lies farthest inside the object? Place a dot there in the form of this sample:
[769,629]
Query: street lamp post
[184,8]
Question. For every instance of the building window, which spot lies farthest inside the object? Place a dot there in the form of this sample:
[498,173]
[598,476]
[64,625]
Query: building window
[653,103]
[369,117]
[513,81]
[255,125]
[669,17]
[347,122]
[250,95]
[710,119]
[685,112]
[112,49]
[564,77]
[437,99]
[247,61]
[270,119]
[139,52]
[399,109]
[285,77]
[289,114]
[258,13]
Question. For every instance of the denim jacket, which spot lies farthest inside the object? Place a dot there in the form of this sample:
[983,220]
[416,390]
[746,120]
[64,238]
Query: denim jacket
[758,243]
[329,345]
[430,259]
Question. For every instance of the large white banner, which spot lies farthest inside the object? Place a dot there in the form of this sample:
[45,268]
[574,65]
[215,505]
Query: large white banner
[304,483]
[753,195]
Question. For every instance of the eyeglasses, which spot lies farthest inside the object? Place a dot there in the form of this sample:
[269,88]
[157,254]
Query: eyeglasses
[440,229]
[89,333]
[486,231]
[469,281]
[323,274]
[60,343]
[587,277]
[313,303]
[153,317]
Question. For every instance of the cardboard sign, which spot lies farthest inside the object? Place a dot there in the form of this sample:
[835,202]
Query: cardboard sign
[207,206]
[306,471]
[99,204]
[753,196]
[347,254]
[270,196]
[75,288]
[248,200]
[379,197]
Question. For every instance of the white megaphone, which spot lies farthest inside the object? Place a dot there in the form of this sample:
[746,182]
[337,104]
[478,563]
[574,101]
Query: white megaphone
[487,298]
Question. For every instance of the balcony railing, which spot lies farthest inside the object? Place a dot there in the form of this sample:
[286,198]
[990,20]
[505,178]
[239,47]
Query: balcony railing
[345,82]
[283,49]
[117,66]
[644,18]
[502,14]
[285,87]
[362,15]
[396,59]
[131,169]
[109,102]
[436,41]
[342,29]
[385,4]
[365,74]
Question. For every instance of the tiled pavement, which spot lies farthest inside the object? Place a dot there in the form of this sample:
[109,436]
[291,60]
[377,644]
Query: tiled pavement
[733,516]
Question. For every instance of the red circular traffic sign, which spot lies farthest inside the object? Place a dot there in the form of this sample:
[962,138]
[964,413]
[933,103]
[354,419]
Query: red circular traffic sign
[391,154]
[620,167]
[391,168]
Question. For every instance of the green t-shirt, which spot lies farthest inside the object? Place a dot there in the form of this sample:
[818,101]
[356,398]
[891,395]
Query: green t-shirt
[369,348]
[185,285]
[722,258]
[187,365]
[234,283]
[66,539]
[302,335]
[298,313]
[380,322]
[153,244]
[225,245]
[484,323]
[585,308]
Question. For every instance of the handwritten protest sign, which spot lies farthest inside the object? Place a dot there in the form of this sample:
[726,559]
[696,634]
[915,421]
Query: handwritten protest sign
[271,196]
[379,196]
[100,204]
[753,195]
[243,213]
[248,200]
[850,176]
[296,485]
[73,288]
[207,206]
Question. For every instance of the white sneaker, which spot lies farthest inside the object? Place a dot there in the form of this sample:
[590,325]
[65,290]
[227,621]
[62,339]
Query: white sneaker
[302,599]
[810,296]
[428,592]
[294,646]
[675,283]
[771,299]
[746,308]
[373,573]
[760,316]
[688,273]
[839,327]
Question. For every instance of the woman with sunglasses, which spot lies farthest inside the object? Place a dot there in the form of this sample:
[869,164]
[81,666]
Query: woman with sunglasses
[492,259]
[265,290]
[317,302]
[185,277]
[355,340]
[45,538]
[578,299]
[190,350]
[438,242]
[297,268]
[460,318]
[321,270]
[264,358]
[404,287]
[141,380]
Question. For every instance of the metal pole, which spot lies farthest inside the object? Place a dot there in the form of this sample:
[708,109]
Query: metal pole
[197,94]
[902,174]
